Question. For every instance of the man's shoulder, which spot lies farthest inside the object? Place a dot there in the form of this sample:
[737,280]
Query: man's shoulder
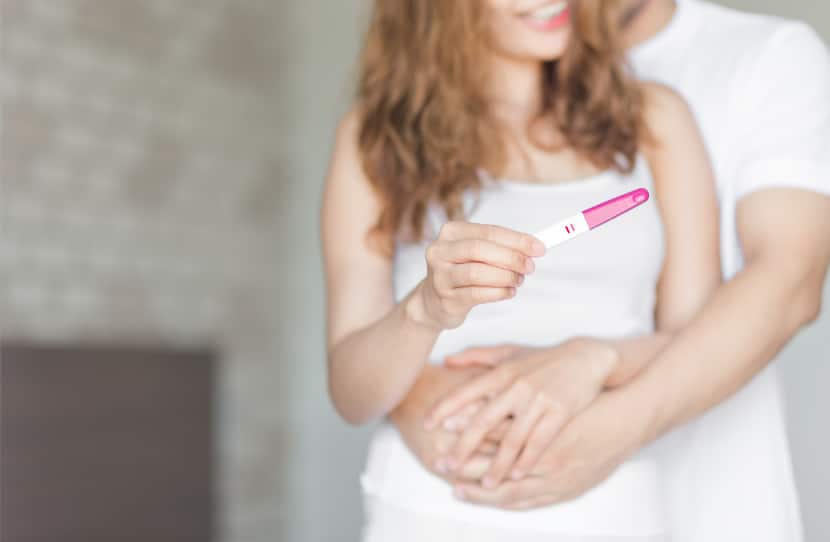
[746,31]
[744,44]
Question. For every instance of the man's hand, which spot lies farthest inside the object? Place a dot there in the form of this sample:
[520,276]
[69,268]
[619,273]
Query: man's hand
[587,450]
[536,390]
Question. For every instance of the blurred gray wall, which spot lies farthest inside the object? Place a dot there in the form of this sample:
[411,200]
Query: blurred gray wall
[162,166]
[142,186]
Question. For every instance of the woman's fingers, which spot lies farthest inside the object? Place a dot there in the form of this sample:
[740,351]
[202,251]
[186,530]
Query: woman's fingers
[481,355]
[469,264]
[512,444]
[516,240]
[482,387]
[461,418]
[540,438]
[482,274]
[484,422]
[476,295]
[494,254]
[495,436]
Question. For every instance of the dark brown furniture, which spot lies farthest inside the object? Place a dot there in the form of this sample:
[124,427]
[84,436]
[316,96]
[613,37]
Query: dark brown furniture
[106,445]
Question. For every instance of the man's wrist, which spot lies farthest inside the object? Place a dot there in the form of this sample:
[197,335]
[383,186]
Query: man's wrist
[603,356]
[643,408]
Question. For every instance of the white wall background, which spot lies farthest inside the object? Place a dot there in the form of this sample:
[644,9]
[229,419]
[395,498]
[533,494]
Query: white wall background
[333,453]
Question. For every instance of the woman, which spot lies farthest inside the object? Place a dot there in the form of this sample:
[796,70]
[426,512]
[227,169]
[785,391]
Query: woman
[476,124]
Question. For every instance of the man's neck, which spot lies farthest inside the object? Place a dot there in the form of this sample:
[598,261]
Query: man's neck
[646,19]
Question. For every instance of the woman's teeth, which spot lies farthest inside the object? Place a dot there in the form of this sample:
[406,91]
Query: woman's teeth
[548,12]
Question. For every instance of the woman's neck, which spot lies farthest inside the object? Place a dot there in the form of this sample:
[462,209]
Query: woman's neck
[514,89]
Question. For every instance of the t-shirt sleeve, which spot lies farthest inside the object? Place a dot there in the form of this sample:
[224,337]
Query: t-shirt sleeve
[782,131]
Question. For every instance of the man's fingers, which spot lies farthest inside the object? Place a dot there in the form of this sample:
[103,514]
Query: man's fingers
[488,447]
[505,494]
[500,431]
[481,355]
[536,502]
[487,385]
[513,443]
[473,469]
[541,437]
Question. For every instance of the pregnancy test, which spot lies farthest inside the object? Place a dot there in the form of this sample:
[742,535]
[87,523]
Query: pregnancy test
[591,218]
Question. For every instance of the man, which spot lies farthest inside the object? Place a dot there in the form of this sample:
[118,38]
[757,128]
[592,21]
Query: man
[760,88]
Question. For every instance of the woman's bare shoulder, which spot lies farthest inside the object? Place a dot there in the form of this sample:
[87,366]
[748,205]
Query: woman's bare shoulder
[666,112]
[346,174]
[350,204]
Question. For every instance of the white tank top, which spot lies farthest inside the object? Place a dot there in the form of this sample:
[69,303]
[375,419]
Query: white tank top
[601,284]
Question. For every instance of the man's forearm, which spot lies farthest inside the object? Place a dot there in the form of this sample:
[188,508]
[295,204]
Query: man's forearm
[743,326]
[633,354]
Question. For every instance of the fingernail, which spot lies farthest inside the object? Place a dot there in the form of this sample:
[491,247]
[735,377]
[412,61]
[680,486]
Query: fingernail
[441,466]
[539,247]
[460,493]
[488,482]
[521,279]
[516,474]
[529,265]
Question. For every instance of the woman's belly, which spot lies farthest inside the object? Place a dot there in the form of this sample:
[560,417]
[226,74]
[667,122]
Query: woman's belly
[628,503]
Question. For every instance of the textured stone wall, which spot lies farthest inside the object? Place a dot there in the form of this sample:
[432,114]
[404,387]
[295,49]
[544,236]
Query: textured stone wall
[141,184]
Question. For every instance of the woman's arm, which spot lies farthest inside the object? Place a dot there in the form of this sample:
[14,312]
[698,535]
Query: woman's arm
[363,323]
[685,186]
[376,347]
[685,192]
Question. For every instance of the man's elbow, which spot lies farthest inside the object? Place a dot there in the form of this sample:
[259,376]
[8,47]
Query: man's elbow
[811,307]
[806,302]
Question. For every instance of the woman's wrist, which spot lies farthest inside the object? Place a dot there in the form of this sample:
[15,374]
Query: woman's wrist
[415,313]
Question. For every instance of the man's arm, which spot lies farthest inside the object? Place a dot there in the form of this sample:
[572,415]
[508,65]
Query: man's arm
[785,236]
[739,331]
[437,382]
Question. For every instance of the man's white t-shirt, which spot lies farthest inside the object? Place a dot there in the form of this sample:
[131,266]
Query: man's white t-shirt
[760,88]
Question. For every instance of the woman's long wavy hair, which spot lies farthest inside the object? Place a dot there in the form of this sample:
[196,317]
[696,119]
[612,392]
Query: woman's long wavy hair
[424,123]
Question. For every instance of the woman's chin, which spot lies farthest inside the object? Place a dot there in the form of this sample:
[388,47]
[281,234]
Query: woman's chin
[545,52]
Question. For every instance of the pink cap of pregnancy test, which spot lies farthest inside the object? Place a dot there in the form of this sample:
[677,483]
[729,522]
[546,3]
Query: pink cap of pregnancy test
[614,207]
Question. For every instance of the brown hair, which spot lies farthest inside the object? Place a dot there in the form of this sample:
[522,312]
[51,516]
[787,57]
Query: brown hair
[424,124]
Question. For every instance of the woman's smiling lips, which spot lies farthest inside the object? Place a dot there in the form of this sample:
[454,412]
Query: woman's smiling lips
[549,17]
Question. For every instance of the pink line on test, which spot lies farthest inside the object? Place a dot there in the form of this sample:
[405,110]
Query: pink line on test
[614,207]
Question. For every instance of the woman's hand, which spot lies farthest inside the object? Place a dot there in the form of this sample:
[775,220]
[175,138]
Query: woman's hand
[469,264]
[536,389]
[434,382]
